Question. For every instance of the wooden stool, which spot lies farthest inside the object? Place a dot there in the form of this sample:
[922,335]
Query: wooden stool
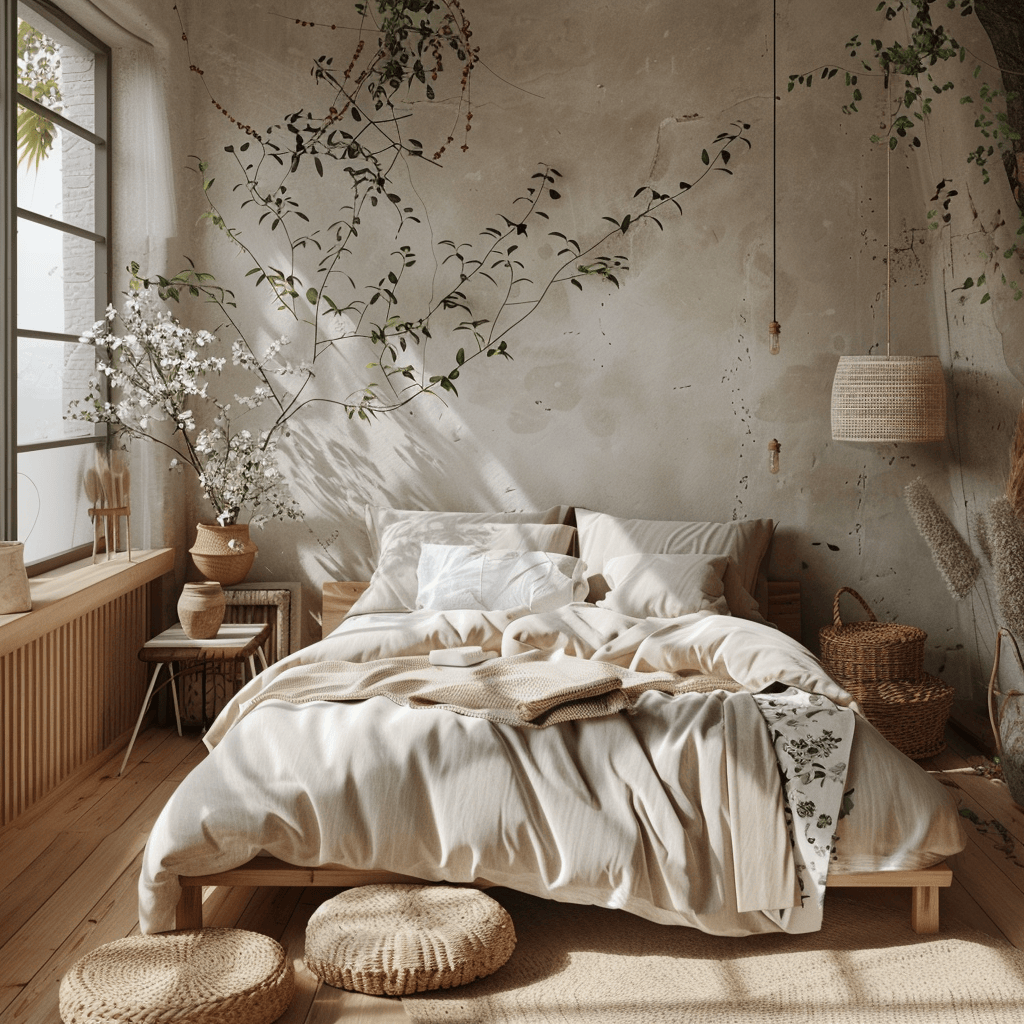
[235,642]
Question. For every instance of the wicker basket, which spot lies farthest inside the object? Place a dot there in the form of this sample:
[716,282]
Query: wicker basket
[910,713]
[872,651]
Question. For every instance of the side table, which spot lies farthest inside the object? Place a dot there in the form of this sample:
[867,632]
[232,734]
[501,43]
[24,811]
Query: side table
[235,642]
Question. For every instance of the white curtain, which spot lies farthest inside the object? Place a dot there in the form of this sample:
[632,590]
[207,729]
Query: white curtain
[144,217]
[141,127]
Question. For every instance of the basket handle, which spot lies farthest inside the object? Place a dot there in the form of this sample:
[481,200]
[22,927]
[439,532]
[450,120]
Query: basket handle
[993,710]
[837,619]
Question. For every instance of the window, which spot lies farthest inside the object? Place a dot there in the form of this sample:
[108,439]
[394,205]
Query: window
[55,264]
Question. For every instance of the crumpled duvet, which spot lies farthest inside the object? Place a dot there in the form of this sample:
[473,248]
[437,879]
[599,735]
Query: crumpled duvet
[673,811]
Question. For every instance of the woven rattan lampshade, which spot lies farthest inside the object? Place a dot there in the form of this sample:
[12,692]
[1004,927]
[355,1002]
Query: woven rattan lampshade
[889,398]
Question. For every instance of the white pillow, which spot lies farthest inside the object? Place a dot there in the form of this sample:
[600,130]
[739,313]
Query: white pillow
[603,537]
[666,586]
[460,576]
[379,518]
[393,585]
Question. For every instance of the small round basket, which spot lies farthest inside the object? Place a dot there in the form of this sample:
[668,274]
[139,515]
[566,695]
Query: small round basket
[397,939]
[910,713]
[872,651]
[209,976]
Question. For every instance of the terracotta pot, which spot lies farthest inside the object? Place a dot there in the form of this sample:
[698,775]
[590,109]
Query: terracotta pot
[1007,720]
[214,557]
[14,591]
[201,610]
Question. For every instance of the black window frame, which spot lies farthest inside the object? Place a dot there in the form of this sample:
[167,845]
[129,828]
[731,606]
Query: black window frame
[9,214]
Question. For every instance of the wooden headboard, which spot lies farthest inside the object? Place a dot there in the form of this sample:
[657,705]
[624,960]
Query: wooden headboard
[783,604]
[339,596]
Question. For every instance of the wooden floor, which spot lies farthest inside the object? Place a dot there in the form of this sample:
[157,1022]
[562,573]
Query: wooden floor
[69,869]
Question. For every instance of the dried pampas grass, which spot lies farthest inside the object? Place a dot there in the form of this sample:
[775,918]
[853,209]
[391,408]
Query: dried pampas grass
[981,533]
[1006,537]
[955,560]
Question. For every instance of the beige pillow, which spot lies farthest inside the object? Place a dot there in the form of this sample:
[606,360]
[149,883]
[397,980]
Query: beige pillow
[666,586]
[378,519]
[603,537]
[393,585]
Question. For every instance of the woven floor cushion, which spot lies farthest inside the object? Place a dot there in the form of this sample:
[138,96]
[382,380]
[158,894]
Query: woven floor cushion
[212,976]
[395,939]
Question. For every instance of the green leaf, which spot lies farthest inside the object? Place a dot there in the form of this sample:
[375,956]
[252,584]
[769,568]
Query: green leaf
[311,296]
[704,158]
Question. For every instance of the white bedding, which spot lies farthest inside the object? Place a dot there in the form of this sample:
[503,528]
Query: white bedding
[672,811]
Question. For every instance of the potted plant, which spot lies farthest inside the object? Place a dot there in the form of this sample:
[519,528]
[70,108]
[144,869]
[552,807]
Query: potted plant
[161,375]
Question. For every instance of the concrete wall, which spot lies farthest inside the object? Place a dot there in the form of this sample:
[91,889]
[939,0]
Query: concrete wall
[657,400]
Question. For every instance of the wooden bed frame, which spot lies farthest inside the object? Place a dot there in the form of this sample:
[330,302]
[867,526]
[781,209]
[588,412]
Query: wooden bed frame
[924,885]
[338,598]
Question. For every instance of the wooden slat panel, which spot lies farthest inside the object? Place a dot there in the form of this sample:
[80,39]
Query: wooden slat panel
[70,679]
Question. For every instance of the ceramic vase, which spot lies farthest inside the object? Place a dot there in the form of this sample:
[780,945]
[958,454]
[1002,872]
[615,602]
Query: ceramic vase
[216,559]
[201,610]
[1011,736]
[14,592]
[1006,712]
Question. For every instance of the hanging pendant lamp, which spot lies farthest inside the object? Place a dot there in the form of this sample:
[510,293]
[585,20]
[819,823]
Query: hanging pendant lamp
[889,398]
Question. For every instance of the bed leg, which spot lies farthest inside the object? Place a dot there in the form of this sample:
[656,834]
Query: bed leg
[924,909]
[189,912]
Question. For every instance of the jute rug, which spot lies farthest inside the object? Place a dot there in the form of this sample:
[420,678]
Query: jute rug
[585,965]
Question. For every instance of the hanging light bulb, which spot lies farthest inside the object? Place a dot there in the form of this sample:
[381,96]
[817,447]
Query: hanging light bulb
[774,328]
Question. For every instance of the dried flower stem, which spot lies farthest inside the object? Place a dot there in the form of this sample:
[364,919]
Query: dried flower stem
[955,560]
[1006,536]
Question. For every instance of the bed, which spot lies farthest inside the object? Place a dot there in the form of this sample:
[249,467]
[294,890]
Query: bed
[640,737]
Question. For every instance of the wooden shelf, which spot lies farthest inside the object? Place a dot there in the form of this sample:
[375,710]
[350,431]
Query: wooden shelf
[66,594]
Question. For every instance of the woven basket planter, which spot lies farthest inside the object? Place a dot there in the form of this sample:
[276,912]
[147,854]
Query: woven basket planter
[910,713]
[872,651]
[216,559]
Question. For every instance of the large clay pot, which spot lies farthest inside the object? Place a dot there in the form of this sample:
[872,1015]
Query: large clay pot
[1008,723]
[201,610]
[15,595]
[216,559]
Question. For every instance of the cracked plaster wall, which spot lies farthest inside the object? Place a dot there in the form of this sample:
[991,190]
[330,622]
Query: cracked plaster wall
[658,400]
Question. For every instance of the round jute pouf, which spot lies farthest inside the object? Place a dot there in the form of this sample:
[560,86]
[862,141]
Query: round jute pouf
[208,976]
[394,940]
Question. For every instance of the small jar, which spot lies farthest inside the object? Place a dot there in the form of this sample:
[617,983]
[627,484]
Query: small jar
[201,610]
[15,595]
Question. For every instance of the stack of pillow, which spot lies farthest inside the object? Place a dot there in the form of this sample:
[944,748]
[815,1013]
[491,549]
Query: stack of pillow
[535,560]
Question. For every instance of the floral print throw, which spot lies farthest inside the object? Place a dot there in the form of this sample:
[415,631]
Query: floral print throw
[812,738]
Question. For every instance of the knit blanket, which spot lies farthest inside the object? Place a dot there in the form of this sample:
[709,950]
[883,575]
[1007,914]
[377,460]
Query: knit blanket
[534,689]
